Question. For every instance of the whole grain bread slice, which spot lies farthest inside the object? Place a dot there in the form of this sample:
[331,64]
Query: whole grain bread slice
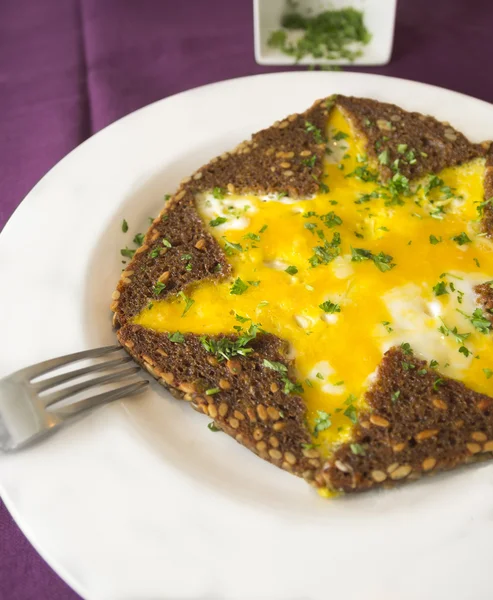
[432,426]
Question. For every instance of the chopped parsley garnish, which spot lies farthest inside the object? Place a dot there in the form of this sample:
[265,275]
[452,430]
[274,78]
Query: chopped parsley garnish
[330,307]
[139,239]
[218,193]
[263,228]
[406,348]
[465,351]
[478,320]
[357,449]
[238,287]
[459,337]
[323,187]
[383,157]
[351,413]
[440,288]
[340,135]
[291,270]
[217,221]
[319,376]
[462,239]
[437,383]
[317,134]
[310,162]
[176,337]
[158,288]
[124,226]
[322,422]
[332,34]
[433,364]
[477,262]
[325,254]
[488,373]
[127,252]
[231,247]
[386,324]
[395,395]
[212,391]
[188,302]
[155,253]
[331,219]
[382,261]
[401,148]
[434,240]
[225,348]
[212,427]
[433,182]
[166,243]
[252,236]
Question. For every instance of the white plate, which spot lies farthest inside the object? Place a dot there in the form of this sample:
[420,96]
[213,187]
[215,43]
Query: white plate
[379,17]
[140,500]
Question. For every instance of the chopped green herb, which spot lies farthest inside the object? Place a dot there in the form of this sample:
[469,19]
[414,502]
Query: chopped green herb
[166,243]
[383,157]
[176,337]
[406,348]
[401,148]
[433,364]
[217,221]
[212,391]
[158,288]
[310,162]
[357,449]
[188,302]
[155,253]
[351,413]
[252,236]
[212,427]
[395,395]
[488,373]
[218,193]
[263,228]
[238,287]
[317,134]
[322,422]
[386,324]
[478,319]
[124,226]
[139,239]
[340,135]
[331,219]
[434,240]
[477,262]
[463,350]
[459,337]
[127,252]
[462,239]
[231,247]
[225,348]
[440,288]
[291,270]
[330,307]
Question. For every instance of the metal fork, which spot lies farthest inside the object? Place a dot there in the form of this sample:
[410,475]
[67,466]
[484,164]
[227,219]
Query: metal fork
[30,408]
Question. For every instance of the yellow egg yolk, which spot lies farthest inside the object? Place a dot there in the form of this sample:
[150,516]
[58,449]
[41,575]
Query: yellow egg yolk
[347,274]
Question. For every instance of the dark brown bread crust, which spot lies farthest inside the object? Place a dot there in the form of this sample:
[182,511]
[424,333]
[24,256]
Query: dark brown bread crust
[485,298]
[251,406]
[435,145]
[273,161]
[435,423]
[488,194]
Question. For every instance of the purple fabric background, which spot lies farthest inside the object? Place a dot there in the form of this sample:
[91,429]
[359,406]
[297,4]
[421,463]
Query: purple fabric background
[70,67]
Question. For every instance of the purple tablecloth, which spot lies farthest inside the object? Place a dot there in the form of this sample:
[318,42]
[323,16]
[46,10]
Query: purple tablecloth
[70,67]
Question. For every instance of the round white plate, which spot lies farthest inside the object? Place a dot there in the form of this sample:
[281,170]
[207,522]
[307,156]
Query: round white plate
[140,501]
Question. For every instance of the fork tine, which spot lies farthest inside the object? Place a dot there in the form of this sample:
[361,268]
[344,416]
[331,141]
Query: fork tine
[54,381]
[85,385]
[77,407]
[54,363]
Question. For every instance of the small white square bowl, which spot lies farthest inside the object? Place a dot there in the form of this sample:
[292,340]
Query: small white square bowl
[379,16]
